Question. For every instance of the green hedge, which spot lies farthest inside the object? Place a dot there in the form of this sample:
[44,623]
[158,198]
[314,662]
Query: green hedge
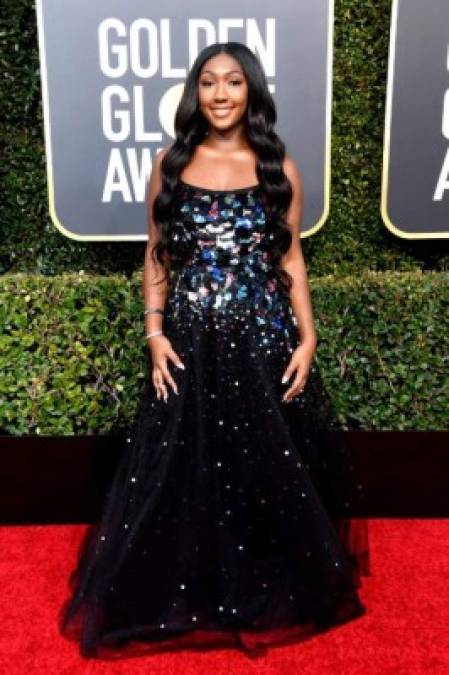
[73,357]
[72,354]
[353,239]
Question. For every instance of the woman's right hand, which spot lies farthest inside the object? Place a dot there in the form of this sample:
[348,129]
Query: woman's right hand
[161,352]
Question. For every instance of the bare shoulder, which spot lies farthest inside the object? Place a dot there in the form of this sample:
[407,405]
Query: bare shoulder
[159,156]
[293,173]
[155,178]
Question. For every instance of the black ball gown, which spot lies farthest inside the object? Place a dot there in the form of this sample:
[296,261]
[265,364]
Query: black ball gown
[228,519]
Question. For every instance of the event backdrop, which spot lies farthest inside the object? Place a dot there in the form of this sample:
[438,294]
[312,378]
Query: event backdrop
[112,75]
[415,184]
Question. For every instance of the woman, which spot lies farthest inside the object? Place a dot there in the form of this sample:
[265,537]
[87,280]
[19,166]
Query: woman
[227,522]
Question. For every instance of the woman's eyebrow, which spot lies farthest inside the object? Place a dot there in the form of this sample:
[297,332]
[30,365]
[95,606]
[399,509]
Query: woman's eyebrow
[227,73]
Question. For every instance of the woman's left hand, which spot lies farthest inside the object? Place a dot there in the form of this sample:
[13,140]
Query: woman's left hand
[300,363]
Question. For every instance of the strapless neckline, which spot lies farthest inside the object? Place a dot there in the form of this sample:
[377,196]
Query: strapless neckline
[214,191]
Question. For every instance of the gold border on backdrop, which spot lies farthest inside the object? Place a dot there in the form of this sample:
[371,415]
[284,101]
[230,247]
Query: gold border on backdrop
[48,148]
[328,124]
[144,237]
[386,148]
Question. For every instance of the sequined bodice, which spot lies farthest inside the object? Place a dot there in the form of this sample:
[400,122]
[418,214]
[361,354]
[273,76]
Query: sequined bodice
[220,258]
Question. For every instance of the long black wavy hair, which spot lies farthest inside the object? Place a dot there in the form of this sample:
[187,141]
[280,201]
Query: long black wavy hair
[259,119]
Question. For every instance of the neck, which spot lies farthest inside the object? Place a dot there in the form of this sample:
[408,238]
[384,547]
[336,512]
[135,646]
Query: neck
[226,140]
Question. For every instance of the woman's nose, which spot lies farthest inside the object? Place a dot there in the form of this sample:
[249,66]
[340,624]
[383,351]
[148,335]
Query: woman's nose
[220,92]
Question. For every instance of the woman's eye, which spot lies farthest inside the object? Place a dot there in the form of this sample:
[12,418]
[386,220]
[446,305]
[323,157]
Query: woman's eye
[207,82]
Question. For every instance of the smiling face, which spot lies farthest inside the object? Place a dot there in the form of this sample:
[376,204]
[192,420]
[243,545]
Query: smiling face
[222,91]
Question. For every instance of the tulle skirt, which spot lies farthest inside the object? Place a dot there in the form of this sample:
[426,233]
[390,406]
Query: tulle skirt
[229,519]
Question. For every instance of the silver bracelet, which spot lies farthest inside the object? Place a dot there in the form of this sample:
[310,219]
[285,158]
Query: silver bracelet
[155,332]
[150,310]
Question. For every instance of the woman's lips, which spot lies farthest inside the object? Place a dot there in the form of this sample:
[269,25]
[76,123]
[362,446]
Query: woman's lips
[221,112]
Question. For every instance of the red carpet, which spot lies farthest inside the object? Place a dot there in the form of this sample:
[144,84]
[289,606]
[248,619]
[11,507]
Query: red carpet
[405,631]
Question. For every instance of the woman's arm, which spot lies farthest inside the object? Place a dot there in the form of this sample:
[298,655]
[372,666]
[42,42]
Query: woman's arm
[293,260]
[155,288]
[154,285]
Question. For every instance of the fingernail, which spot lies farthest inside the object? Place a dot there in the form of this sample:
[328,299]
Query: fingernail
[284,379]
[181,365]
